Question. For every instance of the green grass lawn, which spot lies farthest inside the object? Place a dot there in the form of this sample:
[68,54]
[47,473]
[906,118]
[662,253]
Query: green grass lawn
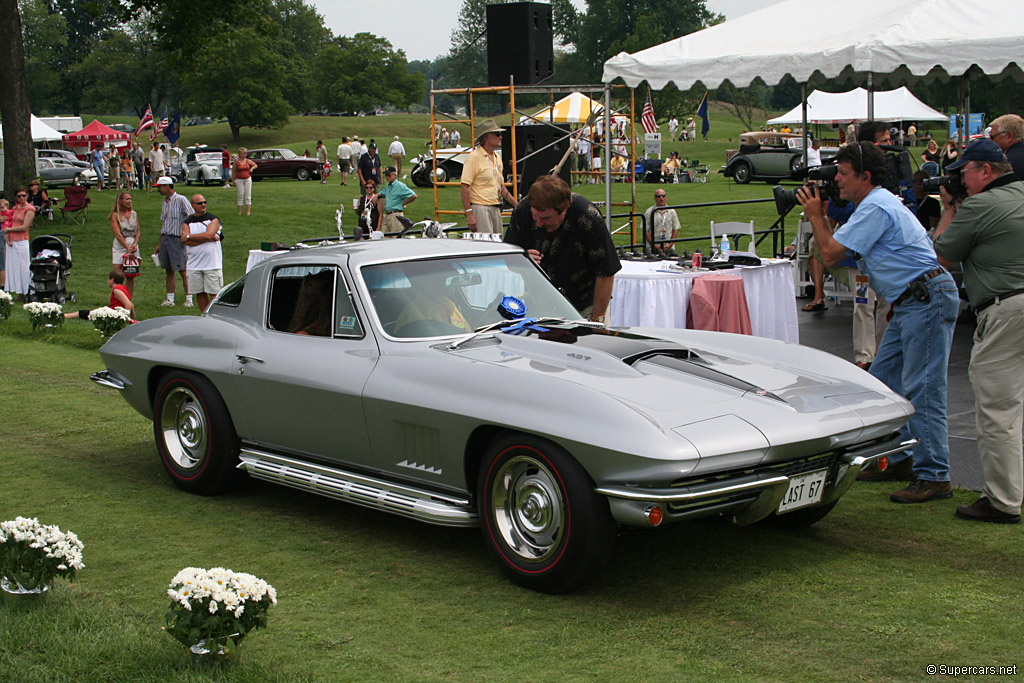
[875,591]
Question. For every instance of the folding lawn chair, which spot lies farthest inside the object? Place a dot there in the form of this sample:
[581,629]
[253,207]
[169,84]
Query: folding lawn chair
[76,205]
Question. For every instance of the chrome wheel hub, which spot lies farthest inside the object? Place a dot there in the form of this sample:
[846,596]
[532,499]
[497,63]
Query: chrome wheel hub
[528,508]
[184,427]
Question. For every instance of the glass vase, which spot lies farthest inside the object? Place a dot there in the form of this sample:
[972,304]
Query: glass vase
[216,652]
[16,595]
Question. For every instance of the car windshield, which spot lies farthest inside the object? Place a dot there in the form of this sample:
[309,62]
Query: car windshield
[287,153]
[449,296]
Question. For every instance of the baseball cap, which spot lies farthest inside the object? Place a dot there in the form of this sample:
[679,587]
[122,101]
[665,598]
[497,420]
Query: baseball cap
[979,150]
[164,180]
[372,145]
[390,169]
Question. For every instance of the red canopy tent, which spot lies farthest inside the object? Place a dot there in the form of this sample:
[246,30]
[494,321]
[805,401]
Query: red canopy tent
[93,134]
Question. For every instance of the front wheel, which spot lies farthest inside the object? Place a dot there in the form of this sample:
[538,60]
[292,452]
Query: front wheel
[194,434]
[302,173]
[741,174]
[541,517]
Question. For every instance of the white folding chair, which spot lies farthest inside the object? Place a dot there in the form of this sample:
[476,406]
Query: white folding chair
[733,228]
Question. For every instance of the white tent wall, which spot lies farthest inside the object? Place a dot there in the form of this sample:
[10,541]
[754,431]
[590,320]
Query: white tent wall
[890,105]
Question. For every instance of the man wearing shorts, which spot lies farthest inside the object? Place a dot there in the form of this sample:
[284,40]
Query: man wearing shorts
[170,251]
[201,236]
[156,164]
[344,159]
[225,165]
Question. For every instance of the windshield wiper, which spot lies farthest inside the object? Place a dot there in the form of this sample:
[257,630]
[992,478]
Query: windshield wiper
[490,327]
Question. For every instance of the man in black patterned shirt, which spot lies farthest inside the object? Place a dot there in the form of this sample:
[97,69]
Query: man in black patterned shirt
[566,234]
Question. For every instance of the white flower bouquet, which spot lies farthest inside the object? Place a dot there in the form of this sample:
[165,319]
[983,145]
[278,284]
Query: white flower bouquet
[109,320]
[213,609]
[44,314]
[33,554]
[5,305]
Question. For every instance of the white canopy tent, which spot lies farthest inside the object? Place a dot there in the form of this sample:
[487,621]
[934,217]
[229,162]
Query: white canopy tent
[840,107]
[40,131]
[893,40]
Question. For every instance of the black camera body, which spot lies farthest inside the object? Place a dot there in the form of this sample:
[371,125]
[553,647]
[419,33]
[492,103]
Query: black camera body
[824,175]
[953,183]
[899,172]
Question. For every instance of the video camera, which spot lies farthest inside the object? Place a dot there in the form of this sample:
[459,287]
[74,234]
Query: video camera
[899,175]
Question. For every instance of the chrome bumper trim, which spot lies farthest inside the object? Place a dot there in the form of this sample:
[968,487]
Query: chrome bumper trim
[108,379]
[425,506]
[679,495]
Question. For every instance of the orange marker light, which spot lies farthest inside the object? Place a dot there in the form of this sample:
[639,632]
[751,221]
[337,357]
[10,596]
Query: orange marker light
[654,515]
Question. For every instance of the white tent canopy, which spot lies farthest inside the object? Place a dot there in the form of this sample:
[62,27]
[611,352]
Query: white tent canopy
[40,131]
[897,40]
[836,107]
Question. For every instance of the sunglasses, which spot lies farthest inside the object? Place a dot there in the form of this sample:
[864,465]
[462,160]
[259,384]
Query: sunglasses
[198,203]
[660,196]
[21,195]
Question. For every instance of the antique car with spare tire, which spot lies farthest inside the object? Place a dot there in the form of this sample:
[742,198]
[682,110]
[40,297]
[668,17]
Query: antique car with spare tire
[449,381]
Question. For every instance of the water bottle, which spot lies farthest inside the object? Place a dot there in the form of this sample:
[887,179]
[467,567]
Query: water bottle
[723,249]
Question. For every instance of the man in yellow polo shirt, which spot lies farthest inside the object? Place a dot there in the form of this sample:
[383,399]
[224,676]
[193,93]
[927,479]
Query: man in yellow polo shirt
[482,181]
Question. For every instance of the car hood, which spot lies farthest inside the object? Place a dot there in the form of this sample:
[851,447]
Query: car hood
[682,377]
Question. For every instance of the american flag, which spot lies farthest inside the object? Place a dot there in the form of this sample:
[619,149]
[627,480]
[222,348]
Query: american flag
[160,127]
[145,122]
[647,118]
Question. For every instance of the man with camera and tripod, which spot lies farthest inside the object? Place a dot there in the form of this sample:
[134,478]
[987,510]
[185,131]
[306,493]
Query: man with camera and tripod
[985,231]
[894,250]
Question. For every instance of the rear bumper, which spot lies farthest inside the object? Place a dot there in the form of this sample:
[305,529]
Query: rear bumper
[749,495]
[107,378]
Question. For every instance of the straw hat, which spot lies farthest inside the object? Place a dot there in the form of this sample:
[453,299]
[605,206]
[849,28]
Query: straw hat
[487,126]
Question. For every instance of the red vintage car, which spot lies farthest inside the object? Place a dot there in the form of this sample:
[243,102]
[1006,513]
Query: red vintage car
[280,162]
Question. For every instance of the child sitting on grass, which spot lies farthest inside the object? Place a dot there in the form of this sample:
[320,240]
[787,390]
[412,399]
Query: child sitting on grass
[119,297]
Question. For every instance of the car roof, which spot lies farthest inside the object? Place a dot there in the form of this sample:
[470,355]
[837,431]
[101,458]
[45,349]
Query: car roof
[367,252]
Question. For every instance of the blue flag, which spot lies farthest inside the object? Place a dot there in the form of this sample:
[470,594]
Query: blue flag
[702,112]
[173,131]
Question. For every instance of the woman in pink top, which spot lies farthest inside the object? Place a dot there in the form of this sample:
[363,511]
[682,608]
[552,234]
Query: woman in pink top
[16,243]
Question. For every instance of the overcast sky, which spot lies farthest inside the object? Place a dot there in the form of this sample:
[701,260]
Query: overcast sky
[423,27]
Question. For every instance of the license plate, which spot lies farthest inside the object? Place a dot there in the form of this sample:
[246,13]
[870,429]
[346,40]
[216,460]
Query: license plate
[804,490]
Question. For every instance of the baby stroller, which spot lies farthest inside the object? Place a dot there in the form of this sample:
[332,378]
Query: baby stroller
[51,261]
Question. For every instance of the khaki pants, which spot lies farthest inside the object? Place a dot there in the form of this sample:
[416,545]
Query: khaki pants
[869,321]
[997,365]
[488,218]
[390,222]
[396,161]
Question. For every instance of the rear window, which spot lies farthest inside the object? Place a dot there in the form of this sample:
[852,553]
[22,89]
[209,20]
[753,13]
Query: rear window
[232,294]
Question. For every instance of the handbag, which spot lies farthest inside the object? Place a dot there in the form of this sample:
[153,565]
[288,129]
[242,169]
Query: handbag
[130,265]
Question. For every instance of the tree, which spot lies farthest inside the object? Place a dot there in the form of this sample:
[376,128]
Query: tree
[744,103]
[298,34]
[19,159]
[363,72]
[237,77]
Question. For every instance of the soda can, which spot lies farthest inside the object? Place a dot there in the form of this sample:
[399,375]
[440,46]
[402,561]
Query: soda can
[696,260]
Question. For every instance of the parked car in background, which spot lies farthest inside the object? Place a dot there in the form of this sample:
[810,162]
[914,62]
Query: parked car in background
[450,382]
[280,162]
[58,171]
[449,166]
[61,154]
[769,156]
[202,165]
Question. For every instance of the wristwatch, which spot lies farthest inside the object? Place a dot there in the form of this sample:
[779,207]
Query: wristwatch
[597,318]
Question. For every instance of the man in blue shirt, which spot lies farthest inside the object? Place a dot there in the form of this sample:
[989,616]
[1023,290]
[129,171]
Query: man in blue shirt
[392,200]
[894,250]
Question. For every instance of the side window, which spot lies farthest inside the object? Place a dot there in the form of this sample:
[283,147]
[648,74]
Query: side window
[312,300]
[232,294]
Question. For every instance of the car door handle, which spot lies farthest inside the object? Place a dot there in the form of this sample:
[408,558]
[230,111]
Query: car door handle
[245,359]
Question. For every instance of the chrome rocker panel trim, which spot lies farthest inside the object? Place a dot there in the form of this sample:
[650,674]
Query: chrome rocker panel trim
[425,506]
[629,504]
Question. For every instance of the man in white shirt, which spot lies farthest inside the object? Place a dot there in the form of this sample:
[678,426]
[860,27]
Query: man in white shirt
[344,159]
[673,126]
[397,152]
[813,154]
[200,234]
[456,137]
[156,163]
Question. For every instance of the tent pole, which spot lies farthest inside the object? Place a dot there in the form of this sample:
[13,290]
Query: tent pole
[806,130]
[871,96]
[960,108]
[967,108]
[607,155]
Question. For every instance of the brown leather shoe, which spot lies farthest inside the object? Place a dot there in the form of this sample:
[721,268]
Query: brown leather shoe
[900,471]
[981,510]
[921,491]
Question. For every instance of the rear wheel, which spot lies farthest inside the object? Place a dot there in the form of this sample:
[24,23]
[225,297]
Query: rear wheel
[302,173]
[541,517]
[194,434]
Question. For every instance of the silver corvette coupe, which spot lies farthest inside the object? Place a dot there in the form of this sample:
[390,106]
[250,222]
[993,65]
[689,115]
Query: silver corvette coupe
[449,381]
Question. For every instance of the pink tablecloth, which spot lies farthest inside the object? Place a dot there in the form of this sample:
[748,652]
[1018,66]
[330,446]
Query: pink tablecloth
[718,303]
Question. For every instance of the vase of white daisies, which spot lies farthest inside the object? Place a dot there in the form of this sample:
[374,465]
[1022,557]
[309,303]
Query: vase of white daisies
[44,315]
[32,555]
[212,610]
[5,305]
[109,320]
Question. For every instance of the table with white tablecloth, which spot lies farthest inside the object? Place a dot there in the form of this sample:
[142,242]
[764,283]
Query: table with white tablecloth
[645,295]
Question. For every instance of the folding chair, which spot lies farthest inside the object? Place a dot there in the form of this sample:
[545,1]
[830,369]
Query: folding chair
[76,205]
[719,229]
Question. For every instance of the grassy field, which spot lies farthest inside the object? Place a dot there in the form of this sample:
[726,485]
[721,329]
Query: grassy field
[874,592]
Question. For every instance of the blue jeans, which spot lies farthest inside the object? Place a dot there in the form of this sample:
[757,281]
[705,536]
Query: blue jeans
[913,361]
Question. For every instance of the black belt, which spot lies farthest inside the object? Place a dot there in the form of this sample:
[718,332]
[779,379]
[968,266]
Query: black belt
[934,273]
[388,213]
[985,304]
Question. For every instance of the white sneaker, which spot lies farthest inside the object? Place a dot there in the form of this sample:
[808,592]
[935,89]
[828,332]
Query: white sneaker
[188,302]
[166,302]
